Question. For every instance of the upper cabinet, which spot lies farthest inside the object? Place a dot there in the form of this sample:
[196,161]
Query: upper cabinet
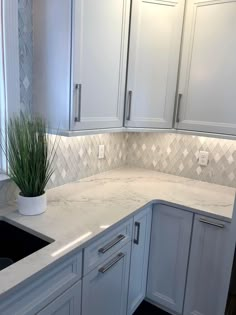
[208,68]
[100,37]
[155,38]
[80,52]
[80,64]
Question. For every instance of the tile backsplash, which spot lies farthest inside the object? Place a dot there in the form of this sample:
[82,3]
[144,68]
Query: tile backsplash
[77,158]
[178,155]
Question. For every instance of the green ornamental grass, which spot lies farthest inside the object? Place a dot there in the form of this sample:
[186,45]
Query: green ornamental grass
[30,154]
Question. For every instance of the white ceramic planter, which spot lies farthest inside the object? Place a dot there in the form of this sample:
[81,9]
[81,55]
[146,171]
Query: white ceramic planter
[32,205]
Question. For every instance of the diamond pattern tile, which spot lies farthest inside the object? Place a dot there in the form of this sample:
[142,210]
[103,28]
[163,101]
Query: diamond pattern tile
[178,155]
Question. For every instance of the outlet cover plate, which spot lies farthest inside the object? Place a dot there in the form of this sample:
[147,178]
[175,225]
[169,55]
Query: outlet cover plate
[101,151]
[203,158]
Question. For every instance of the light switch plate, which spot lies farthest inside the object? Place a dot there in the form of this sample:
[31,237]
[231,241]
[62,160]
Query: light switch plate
[101,151]
[203,158]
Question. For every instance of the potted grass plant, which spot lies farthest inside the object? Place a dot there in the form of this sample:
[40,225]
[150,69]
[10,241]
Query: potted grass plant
[30,156]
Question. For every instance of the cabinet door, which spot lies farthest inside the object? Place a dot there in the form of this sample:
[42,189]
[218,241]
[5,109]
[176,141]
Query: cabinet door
[210,265]
[139,259]
[105,289]
[208,67]
[51,61]
[100,39]
[69,303]
[168,259]
[155,38]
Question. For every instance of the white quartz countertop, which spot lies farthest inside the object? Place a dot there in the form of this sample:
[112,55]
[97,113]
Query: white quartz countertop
[80,211]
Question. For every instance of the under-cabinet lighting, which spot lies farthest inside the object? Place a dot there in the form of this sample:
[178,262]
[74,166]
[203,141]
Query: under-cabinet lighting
[61,250]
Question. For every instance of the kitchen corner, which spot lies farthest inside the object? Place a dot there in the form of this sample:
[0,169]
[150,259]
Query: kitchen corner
[81,211]
[118,128]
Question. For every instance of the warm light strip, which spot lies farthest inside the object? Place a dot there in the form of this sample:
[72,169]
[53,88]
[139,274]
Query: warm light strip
[61,250]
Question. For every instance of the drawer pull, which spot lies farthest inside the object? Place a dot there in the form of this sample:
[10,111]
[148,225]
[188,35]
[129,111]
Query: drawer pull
[212,223]
[111,263]
[137,227]
[118,239]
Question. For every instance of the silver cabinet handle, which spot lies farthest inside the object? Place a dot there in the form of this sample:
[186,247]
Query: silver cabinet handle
[111,263]
[137,227]
[129,103]
[212,223]
[111,244]
[78,89]
[178,107]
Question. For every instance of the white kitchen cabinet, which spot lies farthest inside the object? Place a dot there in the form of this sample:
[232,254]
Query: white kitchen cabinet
[80,50]
[168,258]
[155,38]
[210,264]
[208,68]
[51,291]
[105,289]
[69,303]
[139,259]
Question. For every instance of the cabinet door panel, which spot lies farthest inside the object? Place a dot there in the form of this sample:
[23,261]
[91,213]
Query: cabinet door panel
[168,259]
[208,67]
[106,292]
[69,303]
[210,265]
[139,259]
[153,62]
[99,59]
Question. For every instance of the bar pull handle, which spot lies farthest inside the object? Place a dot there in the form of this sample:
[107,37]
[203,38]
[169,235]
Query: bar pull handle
[111,263]
[111,244]
[178,107]
[221,226]
[129,104]
[137,228]
[78,89]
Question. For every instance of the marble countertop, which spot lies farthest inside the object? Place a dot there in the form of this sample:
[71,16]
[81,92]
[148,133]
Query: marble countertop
[78,212]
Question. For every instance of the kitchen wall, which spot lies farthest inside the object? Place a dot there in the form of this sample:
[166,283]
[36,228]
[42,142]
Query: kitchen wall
[77,157]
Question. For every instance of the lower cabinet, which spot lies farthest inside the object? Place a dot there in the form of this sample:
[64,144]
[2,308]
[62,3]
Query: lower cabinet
[210,266]
[168,259]
[69,303]
[139,259]
[105,289]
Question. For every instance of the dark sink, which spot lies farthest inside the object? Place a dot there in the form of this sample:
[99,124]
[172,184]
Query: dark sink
[15,244]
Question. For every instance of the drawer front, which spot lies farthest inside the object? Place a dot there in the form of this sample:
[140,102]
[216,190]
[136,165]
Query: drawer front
[43,288]
[69,303]
[107,245]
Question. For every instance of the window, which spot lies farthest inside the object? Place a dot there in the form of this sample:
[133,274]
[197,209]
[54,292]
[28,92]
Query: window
[2,92]
[9,68]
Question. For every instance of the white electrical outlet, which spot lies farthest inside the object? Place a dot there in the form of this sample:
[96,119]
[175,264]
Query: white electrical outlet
[203,158]
[101,151]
